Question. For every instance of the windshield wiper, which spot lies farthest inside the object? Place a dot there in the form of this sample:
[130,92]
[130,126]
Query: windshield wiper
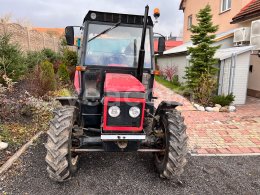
[105,31]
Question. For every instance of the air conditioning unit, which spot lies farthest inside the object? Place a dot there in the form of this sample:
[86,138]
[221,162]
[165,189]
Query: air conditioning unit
[255,34]
[242,35]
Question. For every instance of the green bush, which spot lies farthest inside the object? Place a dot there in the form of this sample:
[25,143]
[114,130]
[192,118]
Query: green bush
[175,81]
[224,100]
[47,77]
[63,73]
[51,55]
[34,58]
[70,58]
[12,61]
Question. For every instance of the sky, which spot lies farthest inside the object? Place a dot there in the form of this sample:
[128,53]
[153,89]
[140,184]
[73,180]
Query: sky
[61,13]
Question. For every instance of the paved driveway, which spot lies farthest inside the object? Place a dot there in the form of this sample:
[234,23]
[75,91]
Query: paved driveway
[219,133]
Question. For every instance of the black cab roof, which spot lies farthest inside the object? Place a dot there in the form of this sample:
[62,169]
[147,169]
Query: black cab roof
[116,17]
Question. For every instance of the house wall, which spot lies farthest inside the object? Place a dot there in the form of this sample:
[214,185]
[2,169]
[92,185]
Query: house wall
[254,77]
[179,61]
[192,7]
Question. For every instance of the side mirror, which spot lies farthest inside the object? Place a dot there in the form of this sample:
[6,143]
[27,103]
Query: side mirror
[69,34]
[161,45]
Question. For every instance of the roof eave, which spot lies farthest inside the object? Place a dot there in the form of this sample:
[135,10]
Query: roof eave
[245,17]
[181,7]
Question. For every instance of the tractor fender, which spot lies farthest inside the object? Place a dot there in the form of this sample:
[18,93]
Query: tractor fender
[166,105]
[68,101]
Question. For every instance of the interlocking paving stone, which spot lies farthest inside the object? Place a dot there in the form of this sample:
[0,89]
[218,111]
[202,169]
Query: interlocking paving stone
[218,132]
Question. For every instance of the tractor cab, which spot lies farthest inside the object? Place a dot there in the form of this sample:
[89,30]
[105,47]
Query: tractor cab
[110,62]
[114,109]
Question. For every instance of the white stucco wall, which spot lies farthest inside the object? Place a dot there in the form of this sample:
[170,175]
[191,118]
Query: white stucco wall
[179,61]
[235,81]
[254,76]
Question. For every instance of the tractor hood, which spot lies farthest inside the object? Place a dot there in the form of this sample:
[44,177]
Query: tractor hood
[115,82]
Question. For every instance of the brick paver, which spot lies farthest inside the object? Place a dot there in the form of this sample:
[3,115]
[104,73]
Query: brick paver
[216,132]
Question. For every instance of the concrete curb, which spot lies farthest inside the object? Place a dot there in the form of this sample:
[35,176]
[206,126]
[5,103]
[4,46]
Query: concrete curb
[11,160]
[245,154]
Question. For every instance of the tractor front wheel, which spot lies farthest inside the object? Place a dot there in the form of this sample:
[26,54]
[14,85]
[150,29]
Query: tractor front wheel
[172,137]
[61,162]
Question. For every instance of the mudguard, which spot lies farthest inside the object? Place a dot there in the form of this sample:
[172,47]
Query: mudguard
[68,101]
[166,105]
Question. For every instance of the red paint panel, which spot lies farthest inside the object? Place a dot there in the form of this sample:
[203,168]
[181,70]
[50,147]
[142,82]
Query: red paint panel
[118,128]
[77,81]
[122,83]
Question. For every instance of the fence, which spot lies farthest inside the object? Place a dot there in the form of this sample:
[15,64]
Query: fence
[29,40]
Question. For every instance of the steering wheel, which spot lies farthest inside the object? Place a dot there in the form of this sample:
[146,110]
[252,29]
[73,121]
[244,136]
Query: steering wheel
[117,59]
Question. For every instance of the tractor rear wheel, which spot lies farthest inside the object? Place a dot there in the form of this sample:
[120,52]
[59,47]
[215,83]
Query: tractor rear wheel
[61,162]
[172,137]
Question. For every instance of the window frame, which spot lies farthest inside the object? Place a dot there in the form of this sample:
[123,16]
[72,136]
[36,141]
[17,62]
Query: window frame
[227,4]
[189,22]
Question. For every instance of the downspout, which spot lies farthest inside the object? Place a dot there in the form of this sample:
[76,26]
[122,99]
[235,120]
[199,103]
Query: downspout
[230,73]
[234,72]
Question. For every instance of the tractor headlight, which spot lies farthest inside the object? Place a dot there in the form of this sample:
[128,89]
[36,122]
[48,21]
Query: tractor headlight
[134,112]
[114,111]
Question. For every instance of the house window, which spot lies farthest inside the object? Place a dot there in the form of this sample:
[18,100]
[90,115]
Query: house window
[189,21]
[225,5]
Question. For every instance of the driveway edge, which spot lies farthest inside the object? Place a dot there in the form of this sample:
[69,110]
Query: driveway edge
[11,160]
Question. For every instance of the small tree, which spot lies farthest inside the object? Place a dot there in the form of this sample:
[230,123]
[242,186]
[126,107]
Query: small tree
[47,77]
[63,73]
[12,62]
[202,60]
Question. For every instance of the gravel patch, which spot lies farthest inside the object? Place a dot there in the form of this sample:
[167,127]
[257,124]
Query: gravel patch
[131,173]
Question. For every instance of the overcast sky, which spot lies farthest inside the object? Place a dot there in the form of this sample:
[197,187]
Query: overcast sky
[60,13]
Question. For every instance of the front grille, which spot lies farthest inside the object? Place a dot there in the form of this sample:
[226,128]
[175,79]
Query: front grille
[124,119]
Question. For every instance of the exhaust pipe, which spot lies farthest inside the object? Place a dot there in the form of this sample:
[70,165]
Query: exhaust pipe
[140,67]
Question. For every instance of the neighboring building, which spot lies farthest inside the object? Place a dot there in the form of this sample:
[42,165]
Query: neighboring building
[239,63]
[169,44]
[223,11]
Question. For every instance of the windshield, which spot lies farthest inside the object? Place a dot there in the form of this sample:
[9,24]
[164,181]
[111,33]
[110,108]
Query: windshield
[117,47]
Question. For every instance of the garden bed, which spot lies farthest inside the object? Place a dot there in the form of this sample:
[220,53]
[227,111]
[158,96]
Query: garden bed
[21,117]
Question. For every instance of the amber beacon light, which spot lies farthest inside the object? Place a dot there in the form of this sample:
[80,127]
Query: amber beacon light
[156,13]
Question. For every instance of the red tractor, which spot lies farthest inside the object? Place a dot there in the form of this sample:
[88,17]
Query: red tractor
[114,109]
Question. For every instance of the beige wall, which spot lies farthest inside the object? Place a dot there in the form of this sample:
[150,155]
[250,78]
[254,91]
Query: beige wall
[254,77]
[192,7]
[29,40]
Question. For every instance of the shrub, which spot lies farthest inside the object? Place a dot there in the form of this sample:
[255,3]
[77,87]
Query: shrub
[51,55]
[12,62]
[70,58]
[169,72]
[47,77]
[175,81]
[34,58]
[203,94]
[224,100]
[63,73]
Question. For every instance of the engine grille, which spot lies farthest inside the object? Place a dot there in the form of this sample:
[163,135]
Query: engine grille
[124,119]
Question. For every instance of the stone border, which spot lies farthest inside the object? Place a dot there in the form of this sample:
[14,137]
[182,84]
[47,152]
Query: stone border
[11,160]
[244,154]
[216,108]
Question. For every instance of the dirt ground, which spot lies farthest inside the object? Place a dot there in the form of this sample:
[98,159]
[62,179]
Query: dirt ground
[131,173]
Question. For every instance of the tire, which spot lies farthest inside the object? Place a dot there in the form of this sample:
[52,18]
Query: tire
[171,163]
[61,163]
